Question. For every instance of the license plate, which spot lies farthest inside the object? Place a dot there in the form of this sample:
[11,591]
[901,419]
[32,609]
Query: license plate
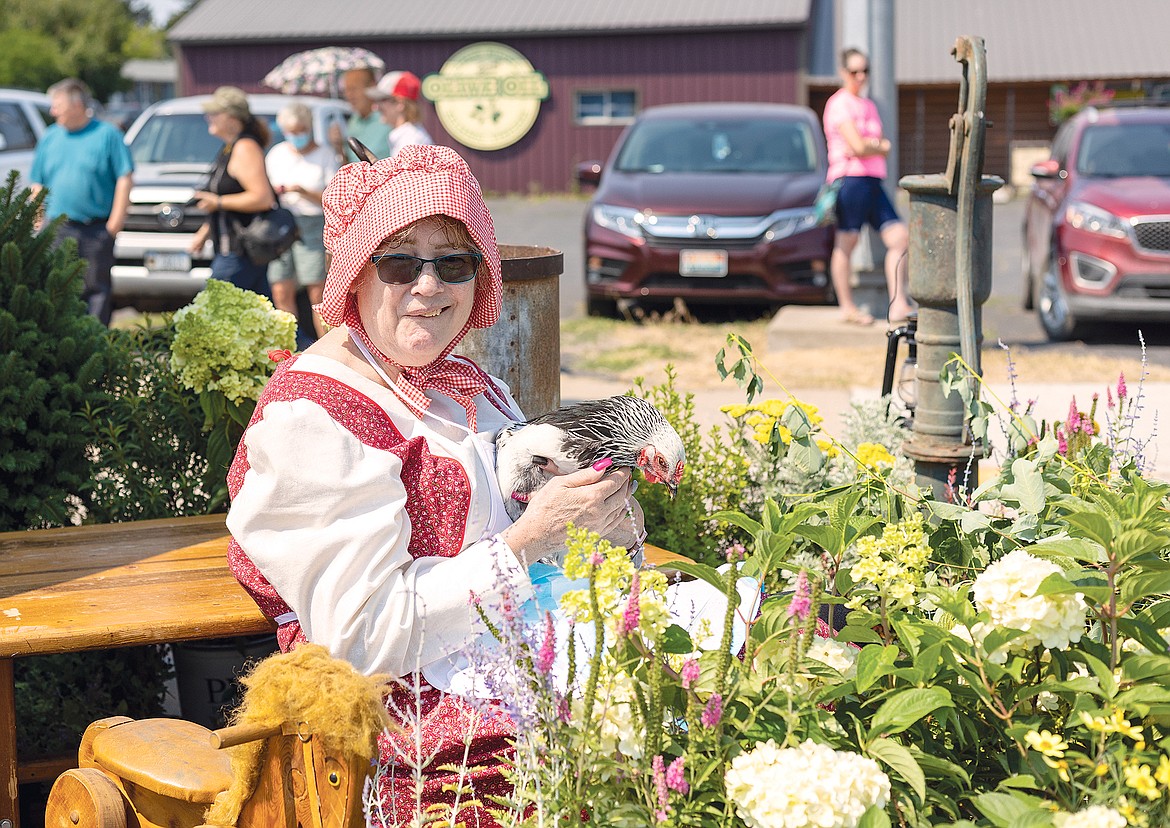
[702,262]
[170,260]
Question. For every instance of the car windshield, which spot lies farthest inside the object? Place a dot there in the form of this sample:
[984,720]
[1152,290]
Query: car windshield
[723,145]
[1113,150]
[181,138]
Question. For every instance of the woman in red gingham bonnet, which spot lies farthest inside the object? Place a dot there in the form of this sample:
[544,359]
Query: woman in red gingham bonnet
[365,502]
[365,203]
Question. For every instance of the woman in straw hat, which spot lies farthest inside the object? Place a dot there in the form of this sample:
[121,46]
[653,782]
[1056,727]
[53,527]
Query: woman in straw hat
[365,504]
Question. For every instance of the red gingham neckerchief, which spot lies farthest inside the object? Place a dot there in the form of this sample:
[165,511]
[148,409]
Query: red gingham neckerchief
[459,380]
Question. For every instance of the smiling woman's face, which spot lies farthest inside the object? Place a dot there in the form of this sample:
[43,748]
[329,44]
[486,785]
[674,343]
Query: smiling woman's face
[414,323]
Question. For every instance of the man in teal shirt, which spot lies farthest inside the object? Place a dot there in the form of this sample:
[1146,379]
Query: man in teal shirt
[365,123]
[87,170]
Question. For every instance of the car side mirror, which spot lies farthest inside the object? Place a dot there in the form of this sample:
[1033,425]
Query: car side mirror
[589,172]
[1048,169]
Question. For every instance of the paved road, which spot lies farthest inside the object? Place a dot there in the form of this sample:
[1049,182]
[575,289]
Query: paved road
[557,222]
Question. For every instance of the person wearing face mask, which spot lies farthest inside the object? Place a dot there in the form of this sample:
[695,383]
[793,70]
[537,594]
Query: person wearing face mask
[299,169]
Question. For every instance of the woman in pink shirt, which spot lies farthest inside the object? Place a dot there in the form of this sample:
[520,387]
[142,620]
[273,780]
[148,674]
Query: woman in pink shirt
[857,154]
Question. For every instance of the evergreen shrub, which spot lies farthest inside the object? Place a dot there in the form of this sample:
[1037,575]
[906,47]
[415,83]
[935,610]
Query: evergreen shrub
[53,355]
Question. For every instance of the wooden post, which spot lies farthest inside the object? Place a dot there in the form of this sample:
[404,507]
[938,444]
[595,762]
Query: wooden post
[9,801]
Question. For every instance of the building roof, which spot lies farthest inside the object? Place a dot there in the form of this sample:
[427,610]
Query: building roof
[313,20]
[1034,40]
[150,71]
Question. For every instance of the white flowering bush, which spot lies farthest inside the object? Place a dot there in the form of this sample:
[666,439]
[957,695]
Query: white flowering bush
[225,346]
[222,340]
[997,659]
[1009,591]
[810,784]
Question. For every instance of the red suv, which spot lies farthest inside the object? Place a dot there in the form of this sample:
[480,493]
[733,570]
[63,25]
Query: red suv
[709,203]
[1097,223]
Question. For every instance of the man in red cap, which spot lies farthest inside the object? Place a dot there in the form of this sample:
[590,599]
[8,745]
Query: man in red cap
[396,97]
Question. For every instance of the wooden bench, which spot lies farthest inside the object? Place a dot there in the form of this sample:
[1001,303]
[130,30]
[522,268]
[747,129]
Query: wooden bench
[97,587]
[115,585]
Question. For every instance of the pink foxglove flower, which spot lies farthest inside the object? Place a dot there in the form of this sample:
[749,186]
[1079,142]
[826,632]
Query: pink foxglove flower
[660,787]
[676,778]
[713,712]
[632,614]
[548,652]
[1121,390]
[1109,398]
[801,602]
[735,552]
[1073,422]
[690,673]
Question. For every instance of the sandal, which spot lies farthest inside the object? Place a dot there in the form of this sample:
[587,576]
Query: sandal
[857,317]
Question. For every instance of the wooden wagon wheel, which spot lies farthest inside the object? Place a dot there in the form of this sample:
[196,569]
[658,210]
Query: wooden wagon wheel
[85,798]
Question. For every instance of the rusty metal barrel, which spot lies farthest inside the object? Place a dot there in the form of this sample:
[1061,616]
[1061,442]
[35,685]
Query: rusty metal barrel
[524,347]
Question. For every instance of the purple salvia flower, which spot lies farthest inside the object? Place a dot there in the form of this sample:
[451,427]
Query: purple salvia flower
[801,602]
[713,712]
[1121,392]
[676,778]
[690,673]
[633,611]
[548,652]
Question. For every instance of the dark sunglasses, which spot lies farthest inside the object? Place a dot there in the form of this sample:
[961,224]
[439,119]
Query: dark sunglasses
[400,269]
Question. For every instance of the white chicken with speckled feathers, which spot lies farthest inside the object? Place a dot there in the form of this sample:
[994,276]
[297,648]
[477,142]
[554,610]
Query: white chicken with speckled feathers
[628,430]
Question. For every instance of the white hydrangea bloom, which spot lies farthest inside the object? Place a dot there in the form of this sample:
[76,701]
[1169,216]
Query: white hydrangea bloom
[1006,590]
[841,657]
[809,785]
[616,714]
[1096,816]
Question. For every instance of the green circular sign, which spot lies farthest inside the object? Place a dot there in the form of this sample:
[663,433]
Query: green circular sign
[487,95]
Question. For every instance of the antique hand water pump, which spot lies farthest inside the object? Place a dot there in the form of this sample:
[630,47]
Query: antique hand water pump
[950,277]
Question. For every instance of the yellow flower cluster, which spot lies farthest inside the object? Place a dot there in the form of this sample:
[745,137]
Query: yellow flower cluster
[588,556]
[223,337]
[874,455]
[1114,723]
[764,417]
[893,564]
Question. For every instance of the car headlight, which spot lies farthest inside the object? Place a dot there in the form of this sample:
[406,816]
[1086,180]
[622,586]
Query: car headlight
[1092,218]
[622,220]
[790,222]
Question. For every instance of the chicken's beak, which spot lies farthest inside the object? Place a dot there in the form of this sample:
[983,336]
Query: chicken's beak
[673,489]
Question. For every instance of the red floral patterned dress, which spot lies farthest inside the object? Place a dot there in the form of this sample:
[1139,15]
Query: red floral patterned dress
[360,526]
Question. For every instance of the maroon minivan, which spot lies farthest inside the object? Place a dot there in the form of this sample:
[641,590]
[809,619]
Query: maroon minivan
[710,203]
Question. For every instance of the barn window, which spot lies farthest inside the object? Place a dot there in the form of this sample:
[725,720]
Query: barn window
[613,106]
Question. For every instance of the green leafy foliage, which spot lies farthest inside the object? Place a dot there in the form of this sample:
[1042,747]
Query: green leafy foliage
[58,696]
[62,38]
[53,356]
[715,480]
[149,450]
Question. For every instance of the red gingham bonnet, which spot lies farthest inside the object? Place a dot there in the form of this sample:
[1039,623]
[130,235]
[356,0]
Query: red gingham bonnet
[365,203]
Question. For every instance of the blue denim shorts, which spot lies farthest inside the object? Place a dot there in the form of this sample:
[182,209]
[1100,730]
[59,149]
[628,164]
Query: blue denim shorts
[863,201]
